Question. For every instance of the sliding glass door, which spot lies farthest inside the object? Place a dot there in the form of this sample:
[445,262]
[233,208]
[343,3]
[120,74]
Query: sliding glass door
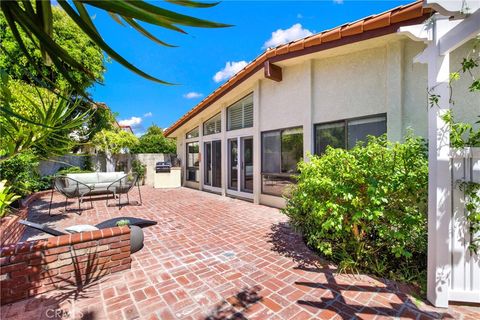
[213,164]
[233,164]
[240,164]
[247,164]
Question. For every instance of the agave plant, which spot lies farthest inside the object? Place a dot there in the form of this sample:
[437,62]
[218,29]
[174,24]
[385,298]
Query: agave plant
[6,198]
[45,127]
[123,222]
[35,19]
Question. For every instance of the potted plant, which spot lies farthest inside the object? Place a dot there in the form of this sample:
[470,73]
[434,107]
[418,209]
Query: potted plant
[136,235]
[140,169]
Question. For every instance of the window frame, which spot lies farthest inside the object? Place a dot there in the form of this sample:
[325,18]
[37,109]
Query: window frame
[187,158]
[345,125]
[243,115]
[198,133]
[219,114]
[262,173]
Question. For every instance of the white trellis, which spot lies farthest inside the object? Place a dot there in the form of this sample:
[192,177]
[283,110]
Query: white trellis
[453,273]
[465,266]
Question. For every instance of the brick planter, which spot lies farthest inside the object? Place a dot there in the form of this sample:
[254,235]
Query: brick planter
[10,230]
[66,262]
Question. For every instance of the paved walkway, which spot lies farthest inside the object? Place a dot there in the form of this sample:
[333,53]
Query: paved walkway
[212,257]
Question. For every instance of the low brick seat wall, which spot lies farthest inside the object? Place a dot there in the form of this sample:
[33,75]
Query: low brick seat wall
[66,262]
[10,230]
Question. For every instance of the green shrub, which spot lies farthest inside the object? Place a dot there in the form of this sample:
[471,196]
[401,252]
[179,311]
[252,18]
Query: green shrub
[7,197]
[139,168]
[366,208]
[153,141]
[21,172]
[73,169]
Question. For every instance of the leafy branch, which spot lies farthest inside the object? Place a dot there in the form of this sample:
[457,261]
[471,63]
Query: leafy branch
[35,20]
[472,205]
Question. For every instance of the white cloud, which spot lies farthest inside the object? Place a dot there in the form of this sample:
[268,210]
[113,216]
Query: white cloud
[231,68]
[148,114]
[193,95]
[338,1]
[282,36]
[134,122]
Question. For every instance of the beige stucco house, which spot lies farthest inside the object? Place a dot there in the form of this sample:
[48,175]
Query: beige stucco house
[331,88]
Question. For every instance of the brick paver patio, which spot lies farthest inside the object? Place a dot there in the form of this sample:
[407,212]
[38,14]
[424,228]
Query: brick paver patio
[212,257]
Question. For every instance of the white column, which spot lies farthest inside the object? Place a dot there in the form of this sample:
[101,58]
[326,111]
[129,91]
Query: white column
[257,152]
[439,175]
[223,116]
[200,150]
[308,115]
[394,86]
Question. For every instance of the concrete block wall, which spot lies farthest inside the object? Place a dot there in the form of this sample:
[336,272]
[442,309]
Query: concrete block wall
[51,166]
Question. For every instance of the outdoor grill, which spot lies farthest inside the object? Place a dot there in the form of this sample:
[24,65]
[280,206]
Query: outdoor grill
[163,166]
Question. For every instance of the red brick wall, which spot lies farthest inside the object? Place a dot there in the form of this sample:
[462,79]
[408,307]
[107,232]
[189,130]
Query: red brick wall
[63,263]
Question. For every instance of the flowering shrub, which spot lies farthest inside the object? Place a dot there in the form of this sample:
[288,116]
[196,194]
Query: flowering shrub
[366,208]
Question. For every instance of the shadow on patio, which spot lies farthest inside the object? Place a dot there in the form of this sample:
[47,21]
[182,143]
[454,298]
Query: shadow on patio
[345,295]
[81,283]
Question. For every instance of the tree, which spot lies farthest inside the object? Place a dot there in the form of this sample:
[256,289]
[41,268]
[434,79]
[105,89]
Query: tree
[43,126]
[36,19]
[24,89]
[70,37]
[153,141]
[113,142]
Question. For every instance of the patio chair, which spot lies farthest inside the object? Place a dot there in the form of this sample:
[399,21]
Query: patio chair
[123,186]
[70,188]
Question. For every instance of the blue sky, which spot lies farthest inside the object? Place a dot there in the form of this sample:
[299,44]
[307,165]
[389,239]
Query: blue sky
[199,64]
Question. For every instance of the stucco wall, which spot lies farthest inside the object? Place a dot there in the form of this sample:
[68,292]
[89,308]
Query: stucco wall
[350,85]
[380,79]
[150,159]
[414,90]
[466,106]
[282,104]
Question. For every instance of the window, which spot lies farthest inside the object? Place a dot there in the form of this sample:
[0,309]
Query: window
[192,133]
[347,133]
[240,114]
[281,151]
[192,162]
[212,125]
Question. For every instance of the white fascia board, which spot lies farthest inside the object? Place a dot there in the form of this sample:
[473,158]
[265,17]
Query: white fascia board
[417,32]
[456,9]
[465,30]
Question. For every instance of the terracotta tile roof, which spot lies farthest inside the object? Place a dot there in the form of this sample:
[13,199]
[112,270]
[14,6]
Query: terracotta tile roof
[369,27]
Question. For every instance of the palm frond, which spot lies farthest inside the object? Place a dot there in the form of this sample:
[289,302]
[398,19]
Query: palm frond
[35,20]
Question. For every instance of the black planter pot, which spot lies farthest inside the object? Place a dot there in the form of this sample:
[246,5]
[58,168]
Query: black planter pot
[136,238]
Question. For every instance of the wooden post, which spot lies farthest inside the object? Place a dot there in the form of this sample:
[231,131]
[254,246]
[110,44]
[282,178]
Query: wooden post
[439,172]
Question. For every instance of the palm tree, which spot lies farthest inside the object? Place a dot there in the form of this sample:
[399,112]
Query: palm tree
[34,18]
